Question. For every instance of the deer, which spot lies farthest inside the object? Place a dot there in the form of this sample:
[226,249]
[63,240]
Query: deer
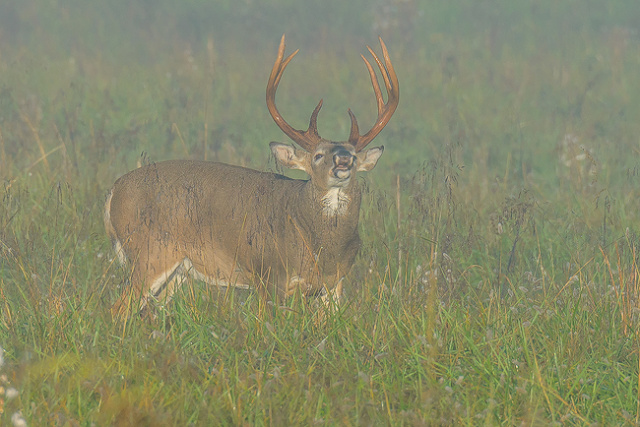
[237,227]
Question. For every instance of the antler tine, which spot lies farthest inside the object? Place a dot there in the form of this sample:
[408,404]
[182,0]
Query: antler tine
[308,139]
[385,111]
[355,131]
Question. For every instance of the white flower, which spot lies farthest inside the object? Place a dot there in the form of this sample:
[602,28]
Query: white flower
[18,420]
[11,393]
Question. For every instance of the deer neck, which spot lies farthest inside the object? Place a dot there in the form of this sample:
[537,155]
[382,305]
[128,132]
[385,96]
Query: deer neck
[338,206]
[337,202]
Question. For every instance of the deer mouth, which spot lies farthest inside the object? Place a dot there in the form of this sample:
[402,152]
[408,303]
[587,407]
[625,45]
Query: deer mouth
[342,172]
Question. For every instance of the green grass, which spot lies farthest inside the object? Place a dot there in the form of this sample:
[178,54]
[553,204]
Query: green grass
[498,280]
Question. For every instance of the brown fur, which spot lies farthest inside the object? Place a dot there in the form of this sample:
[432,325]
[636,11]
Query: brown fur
[235,225]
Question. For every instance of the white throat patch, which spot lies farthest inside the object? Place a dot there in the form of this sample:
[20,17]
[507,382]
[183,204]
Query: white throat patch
[335,202]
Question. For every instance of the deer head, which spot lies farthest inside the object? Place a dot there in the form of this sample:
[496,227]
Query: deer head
[331,165]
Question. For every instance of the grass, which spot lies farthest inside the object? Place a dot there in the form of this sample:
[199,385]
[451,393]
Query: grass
[498,280]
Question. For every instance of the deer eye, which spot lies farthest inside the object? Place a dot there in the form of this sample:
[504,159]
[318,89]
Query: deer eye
[318,157]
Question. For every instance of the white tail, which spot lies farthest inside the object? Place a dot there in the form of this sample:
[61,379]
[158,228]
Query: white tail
[232,226]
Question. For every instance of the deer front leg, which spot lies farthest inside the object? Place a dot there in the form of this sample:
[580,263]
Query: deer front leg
[328,302]
[331,296]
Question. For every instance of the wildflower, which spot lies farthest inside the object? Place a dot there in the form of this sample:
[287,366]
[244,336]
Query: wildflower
[11,392]
[18,420]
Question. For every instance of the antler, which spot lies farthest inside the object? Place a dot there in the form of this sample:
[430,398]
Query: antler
[308,139]
[385,111]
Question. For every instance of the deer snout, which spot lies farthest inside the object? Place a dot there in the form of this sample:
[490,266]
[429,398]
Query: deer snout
[343,159]
[343,162]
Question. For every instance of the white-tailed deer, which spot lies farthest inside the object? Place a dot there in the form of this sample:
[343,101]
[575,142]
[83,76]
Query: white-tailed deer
[232,226]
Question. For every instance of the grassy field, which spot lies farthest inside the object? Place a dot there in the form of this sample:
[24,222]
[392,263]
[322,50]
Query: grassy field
[498,281]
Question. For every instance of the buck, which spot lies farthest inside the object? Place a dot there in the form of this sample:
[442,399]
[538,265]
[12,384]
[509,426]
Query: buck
[232,226]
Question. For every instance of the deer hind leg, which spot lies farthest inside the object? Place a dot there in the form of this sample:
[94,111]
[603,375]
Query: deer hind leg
[165,285]
[162,286]
[154,276]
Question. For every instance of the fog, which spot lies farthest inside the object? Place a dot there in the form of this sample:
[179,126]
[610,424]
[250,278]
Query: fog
[462,44]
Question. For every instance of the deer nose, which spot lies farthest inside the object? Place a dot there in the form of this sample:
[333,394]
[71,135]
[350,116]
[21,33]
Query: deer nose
[343,158]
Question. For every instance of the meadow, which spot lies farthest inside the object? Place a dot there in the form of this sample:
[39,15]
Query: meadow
[498,280]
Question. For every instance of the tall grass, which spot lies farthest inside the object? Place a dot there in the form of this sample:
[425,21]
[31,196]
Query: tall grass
[498,281]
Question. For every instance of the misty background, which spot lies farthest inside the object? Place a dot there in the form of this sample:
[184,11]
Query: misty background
[187,79]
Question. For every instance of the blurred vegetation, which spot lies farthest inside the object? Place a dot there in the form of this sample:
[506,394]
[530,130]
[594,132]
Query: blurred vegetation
[498,281]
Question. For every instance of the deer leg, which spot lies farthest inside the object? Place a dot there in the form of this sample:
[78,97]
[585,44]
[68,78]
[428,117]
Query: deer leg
[166,284]
[333,295]
[153,276]
[328,302]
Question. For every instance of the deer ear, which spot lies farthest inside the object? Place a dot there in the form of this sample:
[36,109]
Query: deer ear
[368,159]
[289,156]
